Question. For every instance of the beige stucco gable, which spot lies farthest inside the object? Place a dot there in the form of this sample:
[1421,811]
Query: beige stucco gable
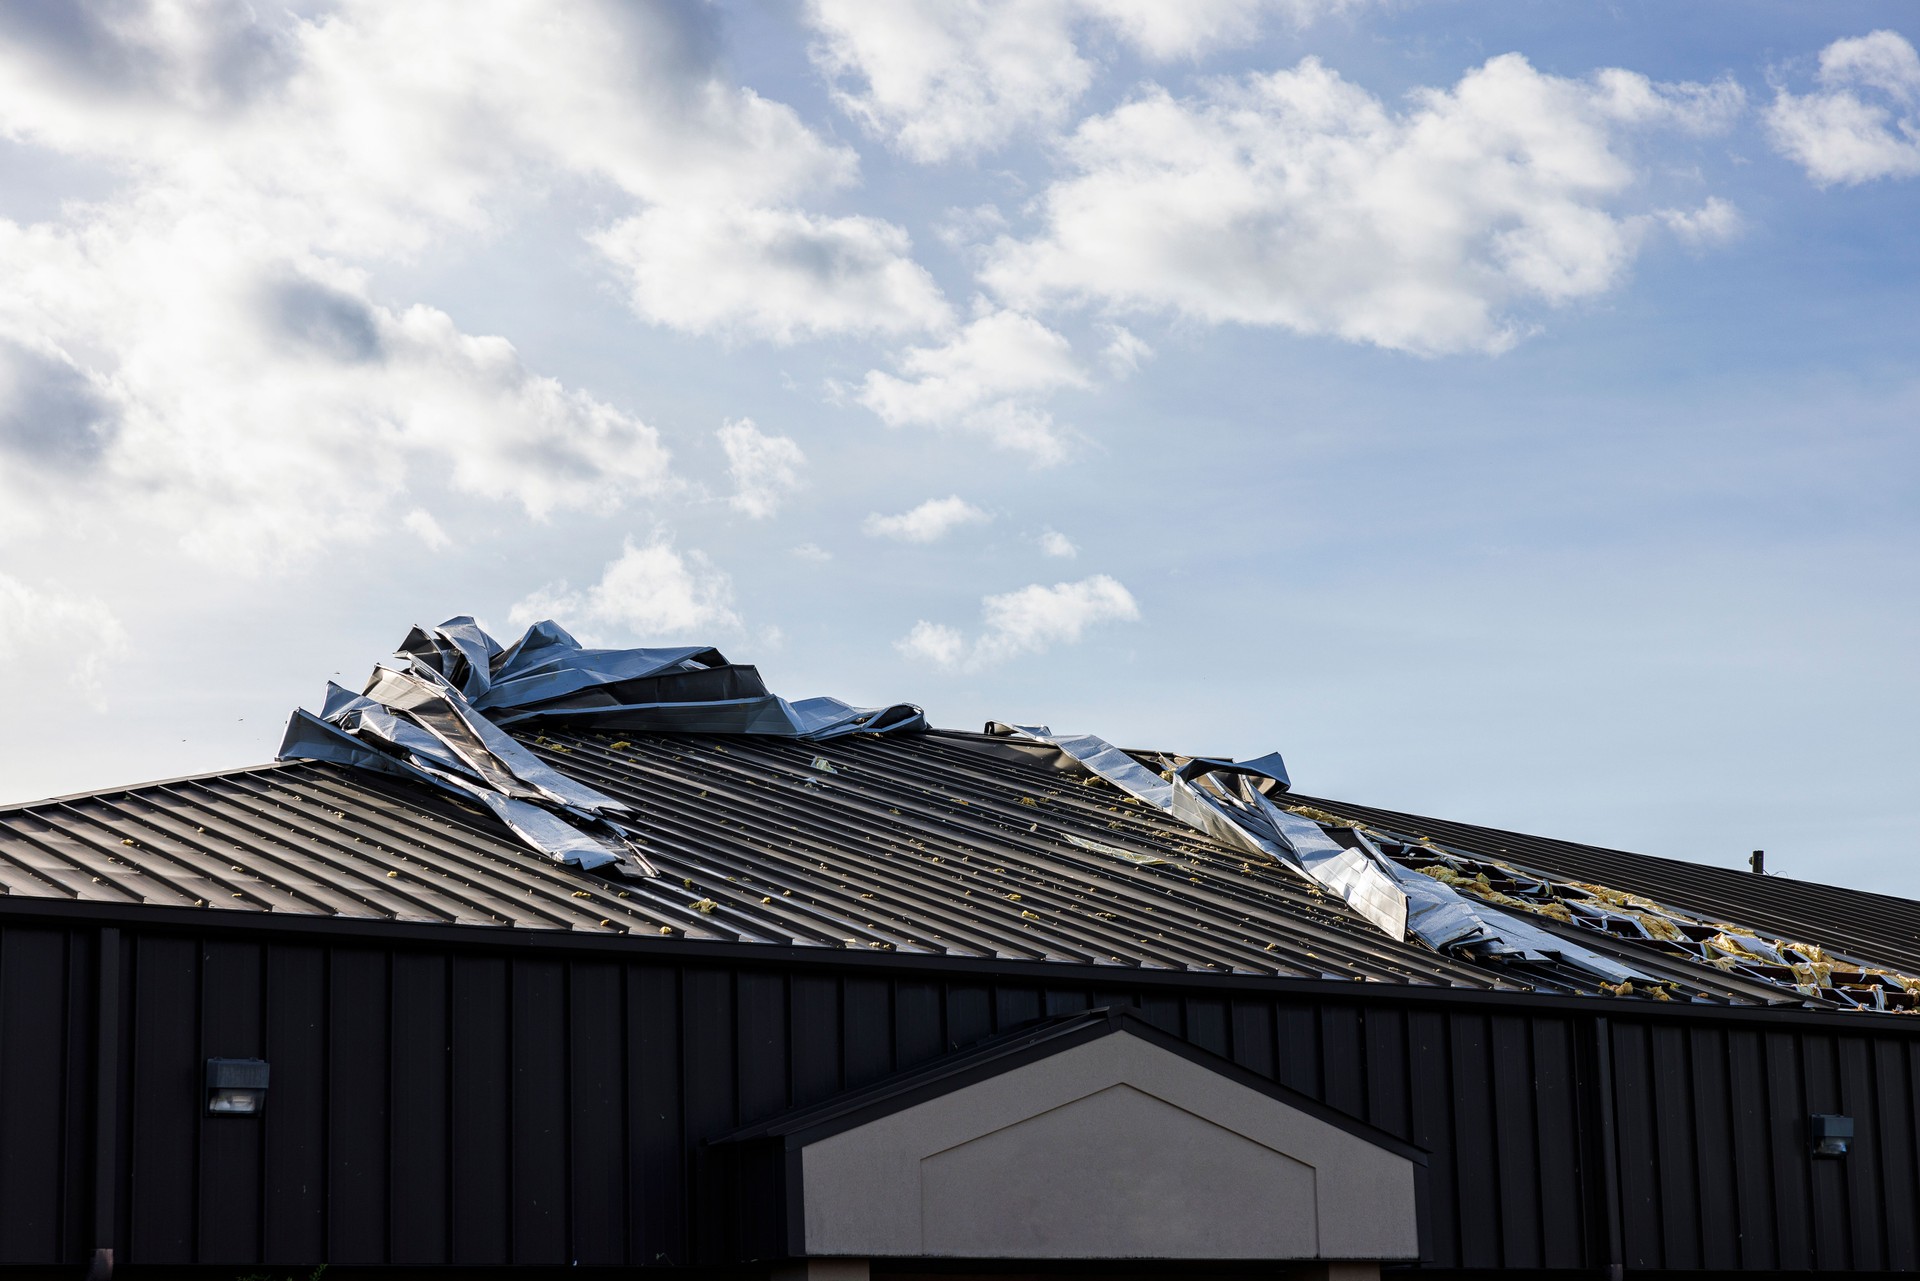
[1114,1148]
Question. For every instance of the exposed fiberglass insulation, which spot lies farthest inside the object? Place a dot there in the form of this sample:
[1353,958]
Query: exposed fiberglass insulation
[434,712]
[1805,968]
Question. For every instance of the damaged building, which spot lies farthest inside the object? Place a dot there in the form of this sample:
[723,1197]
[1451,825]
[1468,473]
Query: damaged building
[541,958]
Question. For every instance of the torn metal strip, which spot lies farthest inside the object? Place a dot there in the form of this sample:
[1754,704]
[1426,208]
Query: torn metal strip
[435,713]
[1221,800]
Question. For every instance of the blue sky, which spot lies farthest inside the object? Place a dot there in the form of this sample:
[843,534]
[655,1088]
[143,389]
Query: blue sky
[1508,412]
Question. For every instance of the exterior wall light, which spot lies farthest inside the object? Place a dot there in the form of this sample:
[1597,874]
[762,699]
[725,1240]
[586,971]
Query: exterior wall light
[1830,1134]
[236,1087]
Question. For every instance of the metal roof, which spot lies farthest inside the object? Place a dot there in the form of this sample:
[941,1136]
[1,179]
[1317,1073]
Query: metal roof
[1881,927]
[917,843]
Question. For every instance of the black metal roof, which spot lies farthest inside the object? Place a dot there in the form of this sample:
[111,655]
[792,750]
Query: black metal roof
[916,843]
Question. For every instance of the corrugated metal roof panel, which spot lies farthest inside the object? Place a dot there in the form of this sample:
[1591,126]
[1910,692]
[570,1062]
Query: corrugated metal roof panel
[915,844]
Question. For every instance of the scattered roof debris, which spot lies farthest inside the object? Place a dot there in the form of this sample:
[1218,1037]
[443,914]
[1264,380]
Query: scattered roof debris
[1806,968]
[1228,801]
[434,712]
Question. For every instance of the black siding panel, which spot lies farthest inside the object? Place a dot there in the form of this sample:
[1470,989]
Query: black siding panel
[460,1106]
[539,1163]
[358,1075]
[654,1105]
[33,1082]
[230,1146]
[294,1126]
[598,1172]
[481,1106]
[168,1077]
[421,1219]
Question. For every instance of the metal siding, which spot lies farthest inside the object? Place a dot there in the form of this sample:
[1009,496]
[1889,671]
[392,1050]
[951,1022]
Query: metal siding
[597,1175]
[167,1080]
[480,1107]
[1430,1068]
[815,1038]
[1516,1141]
[1711,1090]
[358,1076]
[658,1189]
[1676,1164]
[1831,1213]
[708,1094]
[1752,1166]
[1786,1118]
[1473,1142]
[294,1128]
[1894,1099]
[34,1079]
[1252,1036]
[539,1118]
[420,1218]
[230,1185]
[1555,1089]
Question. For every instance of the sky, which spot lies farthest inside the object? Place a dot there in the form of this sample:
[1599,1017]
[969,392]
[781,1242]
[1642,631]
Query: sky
[1507,411]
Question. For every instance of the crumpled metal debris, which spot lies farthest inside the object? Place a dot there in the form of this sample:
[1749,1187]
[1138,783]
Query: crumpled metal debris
[1230,801]
[1803,968]
[434,712]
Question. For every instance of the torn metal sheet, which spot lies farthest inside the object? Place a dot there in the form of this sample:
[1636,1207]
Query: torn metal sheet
[1805,969]
[1226,800]
[434,713]
[1229,801]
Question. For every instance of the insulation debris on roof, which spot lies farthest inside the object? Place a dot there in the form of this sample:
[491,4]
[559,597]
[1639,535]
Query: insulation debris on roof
[1808,969]
[434,712]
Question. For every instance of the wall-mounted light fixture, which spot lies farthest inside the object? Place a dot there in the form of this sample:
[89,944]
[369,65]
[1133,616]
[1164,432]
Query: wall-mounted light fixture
[1830,1134]
[236,1087]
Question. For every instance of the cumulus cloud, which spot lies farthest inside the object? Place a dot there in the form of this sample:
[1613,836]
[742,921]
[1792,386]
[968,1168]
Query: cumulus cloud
[1125,351]
[1029,621]
[202,347]
[1297,199]
[939,80]
[263,407]
[812,553]
[988,378]
[765,468]
[1055,543]
[1863,122]
[421,524]
[778,274]
[54,629]
[651,592]
[929,522]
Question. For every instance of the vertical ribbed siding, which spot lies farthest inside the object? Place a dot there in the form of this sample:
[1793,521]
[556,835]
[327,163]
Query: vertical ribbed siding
[461,1106]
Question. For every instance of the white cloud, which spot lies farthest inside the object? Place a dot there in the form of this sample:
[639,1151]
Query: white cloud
[1714,222]
[1055,543]
[51,629]
[1300,200]
[984,379]
[778,274]
[1863,122]
[939,79]
[1029,621]
[765,468]
[1124,352]
[929,522]
[206,335]
[261,404]
[812,553]
[652,592]
[423,526]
